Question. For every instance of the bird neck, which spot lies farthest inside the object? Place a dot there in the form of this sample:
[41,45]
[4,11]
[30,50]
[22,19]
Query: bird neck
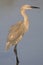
[26,22]
[24,15]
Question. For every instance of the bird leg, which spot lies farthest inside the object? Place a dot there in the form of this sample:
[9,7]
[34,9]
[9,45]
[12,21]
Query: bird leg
[15,51]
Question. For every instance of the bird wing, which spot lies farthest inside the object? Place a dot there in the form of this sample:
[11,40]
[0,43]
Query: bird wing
[15,34]
[15,26]
[15,31]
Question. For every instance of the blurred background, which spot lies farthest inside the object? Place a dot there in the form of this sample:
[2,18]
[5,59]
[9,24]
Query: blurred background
[30,49]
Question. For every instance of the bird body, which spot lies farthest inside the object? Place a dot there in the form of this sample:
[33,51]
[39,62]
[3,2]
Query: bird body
[15,34]
[17,30]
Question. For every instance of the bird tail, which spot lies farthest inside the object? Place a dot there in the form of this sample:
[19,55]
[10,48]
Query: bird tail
[8,45]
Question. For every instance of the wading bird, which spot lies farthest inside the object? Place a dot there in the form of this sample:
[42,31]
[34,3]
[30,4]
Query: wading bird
[17,31]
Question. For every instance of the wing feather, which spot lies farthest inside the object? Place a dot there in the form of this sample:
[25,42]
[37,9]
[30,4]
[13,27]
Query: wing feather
[15,31]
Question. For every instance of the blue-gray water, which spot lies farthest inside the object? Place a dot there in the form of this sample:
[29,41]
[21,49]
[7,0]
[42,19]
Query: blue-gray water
[30,49]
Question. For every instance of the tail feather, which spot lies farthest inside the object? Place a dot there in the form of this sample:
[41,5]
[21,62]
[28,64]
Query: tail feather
[7,46]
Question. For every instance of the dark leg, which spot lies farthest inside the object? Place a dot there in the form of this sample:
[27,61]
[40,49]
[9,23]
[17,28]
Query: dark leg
[15,50]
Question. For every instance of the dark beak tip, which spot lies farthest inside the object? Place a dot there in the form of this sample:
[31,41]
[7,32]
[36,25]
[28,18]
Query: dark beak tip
[35,7]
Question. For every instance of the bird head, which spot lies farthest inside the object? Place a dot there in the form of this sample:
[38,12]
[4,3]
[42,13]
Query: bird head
[29,7]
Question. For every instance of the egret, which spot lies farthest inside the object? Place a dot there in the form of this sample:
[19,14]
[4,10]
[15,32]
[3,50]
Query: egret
[17,30]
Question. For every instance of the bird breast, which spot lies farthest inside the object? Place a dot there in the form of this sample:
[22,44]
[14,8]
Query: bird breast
[26,25]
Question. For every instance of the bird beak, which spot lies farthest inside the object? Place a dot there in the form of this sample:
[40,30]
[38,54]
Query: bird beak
[35,7]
